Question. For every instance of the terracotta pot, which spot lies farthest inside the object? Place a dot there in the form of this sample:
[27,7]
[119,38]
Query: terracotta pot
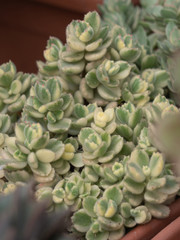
[151,229]
[80,6]
[172,231]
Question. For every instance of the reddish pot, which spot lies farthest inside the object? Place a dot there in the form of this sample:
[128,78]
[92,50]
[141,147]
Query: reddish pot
[171,231]
[26,26]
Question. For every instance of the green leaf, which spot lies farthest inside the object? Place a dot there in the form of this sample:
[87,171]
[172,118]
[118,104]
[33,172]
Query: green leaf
[135,172]
[98,236]
[60,126]
[158,210]
[88,205]
[94,20]
[113,193]
[132,186]
[156,164]
[42,93]
[82,221]
[77,160]
[84,134]
[45,155]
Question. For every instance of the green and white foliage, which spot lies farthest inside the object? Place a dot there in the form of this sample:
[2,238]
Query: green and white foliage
[70,156]
[129,120]
[147,44]
[13,88]
[159,13]
[104,121]
[157,80]
[116,12]
[103,85]
[144,141]
[87,132]
[72,190]
[5,126]
[100,219]
[135,90]
[48,102]
[31,150]
[99,148]
[124,46]
[81,117]
[147,176]
[51,55]
[160,108]
[87,41]
[108,175]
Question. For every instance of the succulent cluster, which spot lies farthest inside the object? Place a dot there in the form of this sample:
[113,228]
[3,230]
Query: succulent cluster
[85,123]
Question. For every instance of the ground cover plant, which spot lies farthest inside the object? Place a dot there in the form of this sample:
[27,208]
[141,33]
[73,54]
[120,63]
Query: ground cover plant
[84,127]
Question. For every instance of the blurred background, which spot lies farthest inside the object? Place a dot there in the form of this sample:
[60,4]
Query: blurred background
[25,26]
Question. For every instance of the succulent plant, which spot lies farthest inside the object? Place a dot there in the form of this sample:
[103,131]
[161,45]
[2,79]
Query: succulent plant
[157,80]
[31,149]
[70,157]
[147,176]
[124,46]
[147,44]
[104,121]
[13,88]
[129,121]
[23,218]
[97,133]
[122,13]
[51,55]
[5,125]
[136,91]
[145,142]
[99,148]
[72,190]
[160,13]
[160,108]
[47,101]
[87,40]
[103,85]
[100,218]
[81,117]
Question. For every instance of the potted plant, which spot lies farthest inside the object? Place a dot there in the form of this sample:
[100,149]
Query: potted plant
[83,126]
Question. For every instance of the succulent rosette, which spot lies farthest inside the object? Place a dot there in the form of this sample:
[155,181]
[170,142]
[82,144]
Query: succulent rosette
[87,40]
[160,108]
[103,85]
[105,176]
[31,150]
[48,102]
[51,55]
[157,80]
[147,44]
[135,90]
[81,117]
[72,190]
[124,46]
[104,121]
[99,148]
[147,176]
[13,88]
[115,12]
[100,218]
[70,157]
[129,121]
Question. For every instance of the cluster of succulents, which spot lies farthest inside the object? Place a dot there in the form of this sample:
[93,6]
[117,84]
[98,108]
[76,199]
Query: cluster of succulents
[83,127]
